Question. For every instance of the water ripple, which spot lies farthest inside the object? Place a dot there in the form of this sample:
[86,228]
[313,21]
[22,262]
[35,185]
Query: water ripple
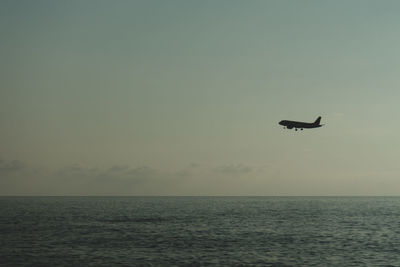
[233,231]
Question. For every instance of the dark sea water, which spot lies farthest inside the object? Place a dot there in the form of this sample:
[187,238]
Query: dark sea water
[233,231]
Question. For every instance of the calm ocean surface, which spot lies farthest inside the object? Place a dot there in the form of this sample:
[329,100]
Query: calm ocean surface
[234,231]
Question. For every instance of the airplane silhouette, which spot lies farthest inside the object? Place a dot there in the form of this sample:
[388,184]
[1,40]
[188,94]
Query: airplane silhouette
[301,125]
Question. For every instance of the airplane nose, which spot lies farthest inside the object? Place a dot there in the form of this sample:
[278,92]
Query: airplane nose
[280,123]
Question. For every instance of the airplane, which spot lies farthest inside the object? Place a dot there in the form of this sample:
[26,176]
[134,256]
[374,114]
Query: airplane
[301,125]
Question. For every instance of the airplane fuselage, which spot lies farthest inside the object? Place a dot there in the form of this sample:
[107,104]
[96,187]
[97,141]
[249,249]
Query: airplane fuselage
[301,125]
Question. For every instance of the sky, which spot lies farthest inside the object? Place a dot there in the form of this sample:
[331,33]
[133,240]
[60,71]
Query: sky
[184,97]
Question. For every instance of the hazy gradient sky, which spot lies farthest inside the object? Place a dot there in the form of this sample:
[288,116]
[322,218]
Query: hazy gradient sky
[184,97]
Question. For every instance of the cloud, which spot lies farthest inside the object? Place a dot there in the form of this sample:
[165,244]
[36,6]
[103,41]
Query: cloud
[113,173]
[233,169]
[114,180]
[118,168]
[141,171]
[194,165]
[76,170]
[190,170]
[11,166]
[119,179]
[128,173]
[194,170]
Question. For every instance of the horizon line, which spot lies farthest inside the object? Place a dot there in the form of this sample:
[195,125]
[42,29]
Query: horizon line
[3,196]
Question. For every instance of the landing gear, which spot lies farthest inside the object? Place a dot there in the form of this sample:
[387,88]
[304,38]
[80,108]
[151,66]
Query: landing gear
[301,129]
[295,129]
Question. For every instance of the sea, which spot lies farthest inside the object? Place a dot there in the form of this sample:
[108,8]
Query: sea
[199,231]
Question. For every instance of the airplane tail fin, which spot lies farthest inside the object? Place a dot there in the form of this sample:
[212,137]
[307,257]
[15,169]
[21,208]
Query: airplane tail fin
[317,121]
